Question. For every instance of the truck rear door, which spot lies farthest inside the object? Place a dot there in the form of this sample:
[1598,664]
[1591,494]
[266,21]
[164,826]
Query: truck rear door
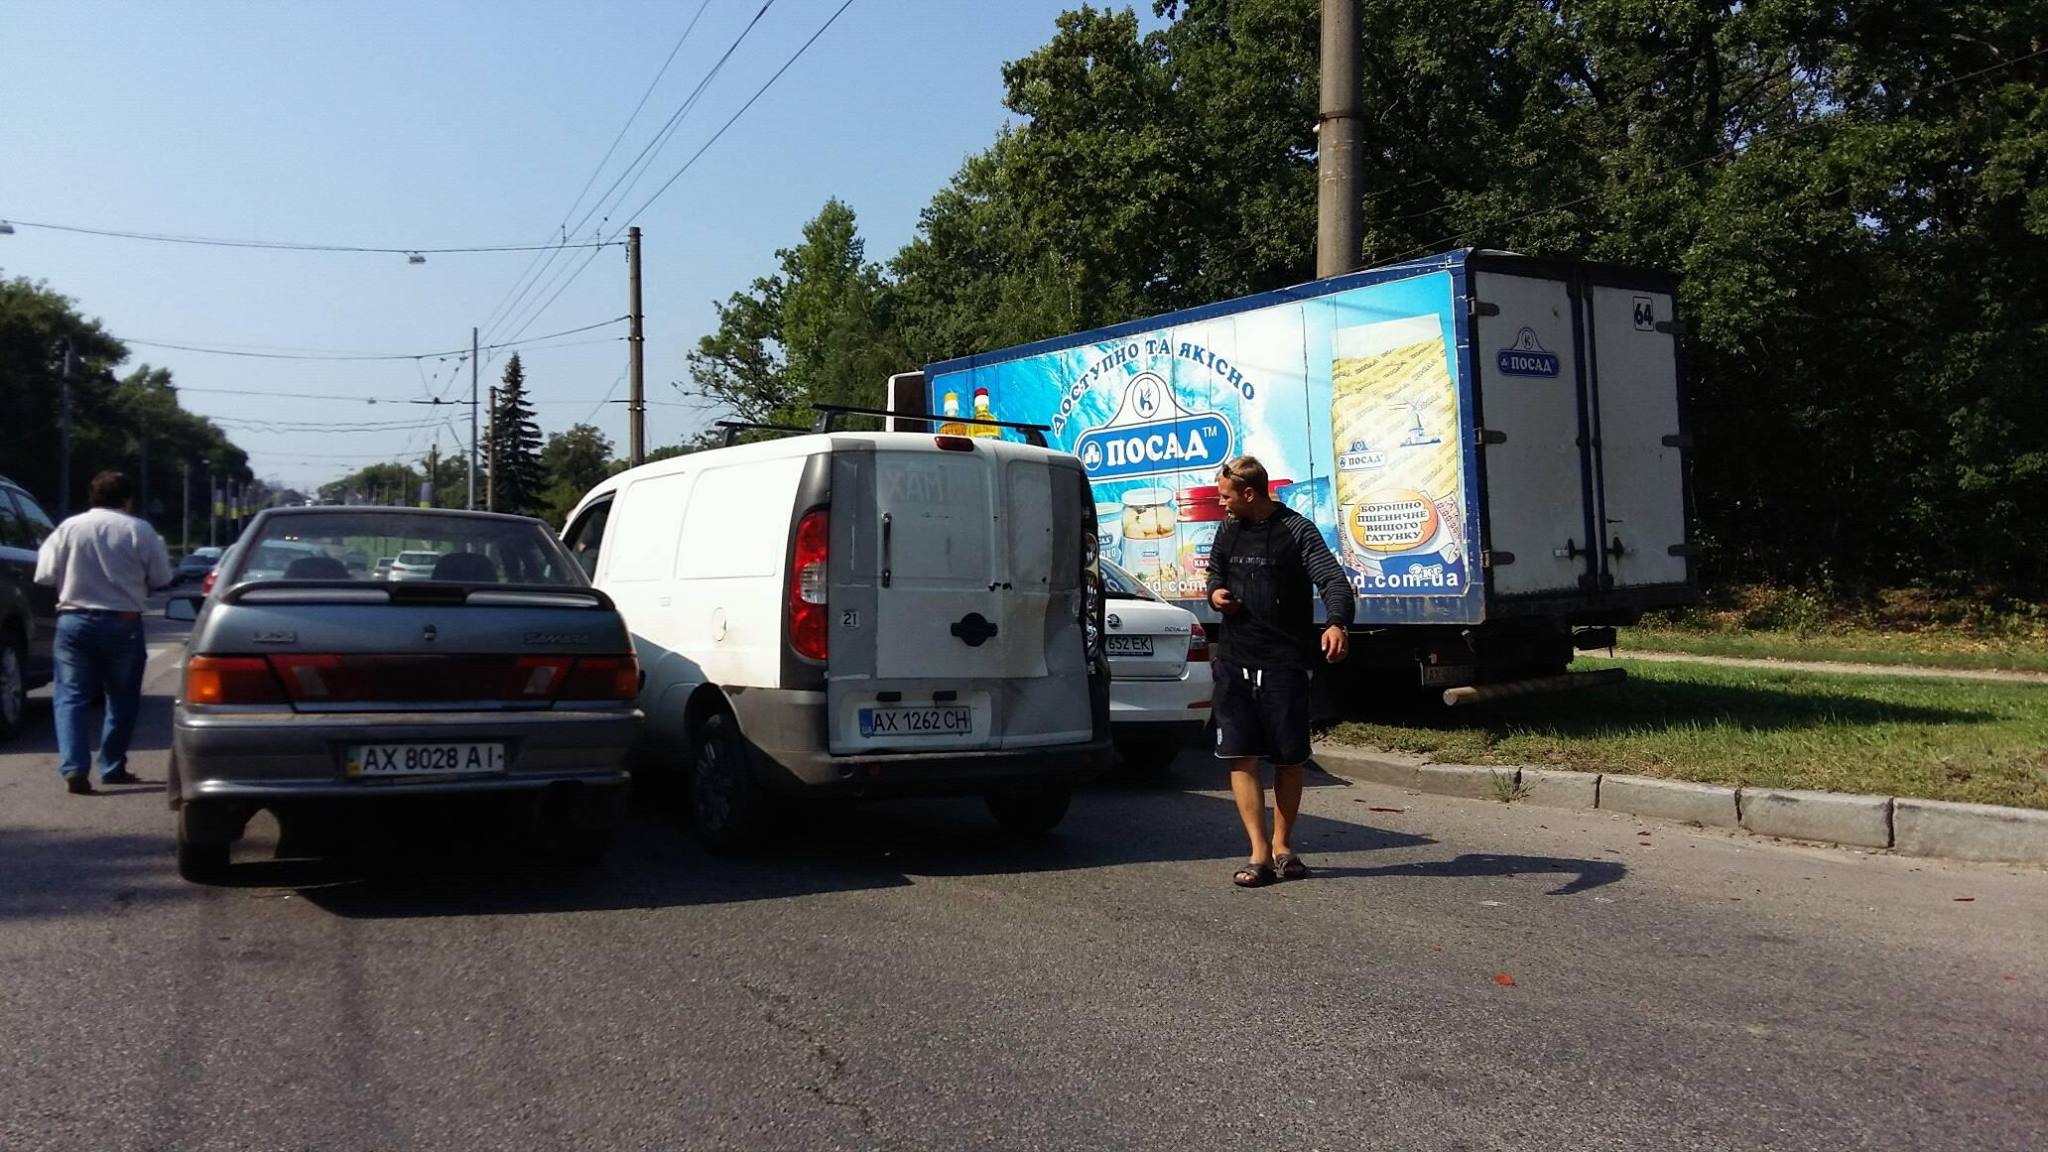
[1641,478]
[955,598]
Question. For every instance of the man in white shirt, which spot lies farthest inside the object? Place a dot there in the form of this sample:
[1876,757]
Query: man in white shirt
[103,563]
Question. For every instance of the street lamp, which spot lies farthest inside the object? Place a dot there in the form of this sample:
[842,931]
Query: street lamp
[415,258]
[6,229]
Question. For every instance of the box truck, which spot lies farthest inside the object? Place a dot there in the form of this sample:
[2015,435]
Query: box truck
[1493,446]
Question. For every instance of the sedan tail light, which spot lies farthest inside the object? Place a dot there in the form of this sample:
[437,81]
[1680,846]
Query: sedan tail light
[602,678]
[1198,643]
[206,585]
[231,680]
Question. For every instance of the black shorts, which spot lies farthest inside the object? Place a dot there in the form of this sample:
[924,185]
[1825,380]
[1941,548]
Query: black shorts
[1261,713]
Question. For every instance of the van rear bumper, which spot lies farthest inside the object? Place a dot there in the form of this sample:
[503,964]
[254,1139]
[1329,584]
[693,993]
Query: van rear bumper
[787,729]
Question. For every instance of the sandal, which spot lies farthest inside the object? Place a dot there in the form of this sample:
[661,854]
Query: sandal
[1290,867]
[1254,875]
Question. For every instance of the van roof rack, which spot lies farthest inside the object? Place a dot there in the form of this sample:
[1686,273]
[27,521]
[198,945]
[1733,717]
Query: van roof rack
[829,414]
[733,428]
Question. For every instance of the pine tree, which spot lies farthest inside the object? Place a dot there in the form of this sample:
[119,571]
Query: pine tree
[515,442]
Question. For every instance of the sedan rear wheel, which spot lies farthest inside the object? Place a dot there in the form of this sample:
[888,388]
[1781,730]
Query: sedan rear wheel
[199,861]
[13,685]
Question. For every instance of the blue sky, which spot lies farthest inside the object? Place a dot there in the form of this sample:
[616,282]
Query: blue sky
[419,125]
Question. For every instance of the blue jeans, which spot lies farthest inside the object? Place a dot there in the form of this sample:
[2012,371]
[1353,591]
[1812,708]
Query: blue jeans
[98,655]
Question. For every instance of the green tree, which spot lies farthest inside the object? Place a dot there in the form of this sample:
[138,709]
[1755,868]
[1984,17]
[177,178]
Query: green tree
[517,479]
[116,422]
[574,461]
[820,330]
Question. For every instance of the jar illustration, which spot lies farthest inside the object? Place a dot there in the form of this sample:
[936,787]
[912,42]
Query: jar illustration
[1149,521]
[1109,531]
[1392,399]
[1201,514]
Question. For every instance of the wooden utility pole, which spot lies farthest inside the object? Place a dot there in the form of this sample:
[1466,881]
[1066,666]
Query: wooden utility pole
[473,454]
[491,440]
[433,496]
[185,506]
[1338,200]
[636,345]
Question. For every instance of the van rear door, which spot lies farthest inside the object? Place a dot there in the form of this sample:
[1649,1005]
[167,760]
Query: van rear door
[955,597]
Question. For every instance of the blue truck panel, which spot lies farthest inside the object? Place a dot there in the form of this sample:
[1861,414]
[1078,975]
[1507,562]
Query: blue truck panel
[1356,393]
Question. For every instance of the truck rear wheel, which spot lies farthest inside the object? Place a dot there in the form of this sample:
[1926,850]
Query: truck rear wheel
[1030,809]
[727,804]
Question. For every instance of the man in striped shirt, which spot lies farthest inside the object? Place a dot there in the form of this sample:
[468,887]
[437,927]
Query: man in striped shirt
[1262,566]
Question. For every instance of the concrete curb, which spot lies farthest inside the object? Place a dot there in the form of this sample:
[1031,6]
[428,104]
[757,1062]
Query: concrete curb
[1469,782]
[1982,832]
[1970,831]
[1560,788]
[1709,804]
[1832,817]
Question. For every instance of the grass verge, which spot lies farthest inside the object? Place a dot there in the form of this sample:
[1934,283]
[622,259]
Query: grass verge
[1856,646]
[1941,740]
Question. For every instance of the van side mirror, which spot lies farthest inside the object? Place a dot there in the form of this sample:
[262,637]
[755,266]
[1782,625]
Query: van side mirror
[182,608]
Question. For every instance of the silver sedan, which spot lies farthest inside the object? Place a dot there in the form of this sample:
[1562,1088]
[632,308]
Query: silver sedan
[498,673]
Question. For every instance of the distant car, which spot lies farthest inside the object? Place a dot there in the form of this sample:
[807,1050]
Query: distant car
[308,691]
[1160,687]
[28,610]
[196,564]
[413,566]
[382,570]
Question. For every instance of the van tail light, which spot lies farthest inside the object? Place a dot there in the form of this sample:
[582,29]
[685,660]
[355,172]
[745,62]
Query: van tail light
[1198,644]
[231,680]
[808,581]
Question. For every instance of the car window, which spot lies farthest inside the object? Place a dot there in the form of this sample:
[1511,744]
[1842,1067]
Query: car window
[39,526]
[586,538]
[13,529]
[449,547]
[1121,585]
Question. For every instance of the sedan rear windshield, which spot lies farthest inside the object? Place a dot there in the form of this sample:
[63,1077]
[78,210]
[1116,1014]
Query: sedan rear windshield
[459,549]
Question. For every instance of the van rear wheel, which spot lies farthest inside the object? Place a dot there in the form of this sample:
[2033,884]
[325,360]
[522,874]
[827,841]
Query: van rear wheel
[727,805]
[1030,809]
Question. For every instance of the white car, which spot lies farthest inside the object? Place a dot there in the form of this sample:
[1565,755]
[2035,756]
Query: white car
[1159,688]
[413,566]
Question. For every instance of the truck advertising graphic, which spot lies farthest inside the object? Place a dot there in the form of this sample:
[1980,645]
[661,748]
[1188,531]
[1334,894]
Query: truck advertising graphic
[1353,400]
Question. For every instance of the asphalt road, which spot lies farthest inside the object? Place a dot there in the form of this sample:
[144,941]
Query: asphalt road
[1459,975]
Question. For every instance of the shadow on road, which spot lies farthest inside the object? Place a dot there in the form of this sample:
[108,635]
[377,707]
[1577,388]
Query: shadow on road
[1586,874]
[45,875]
[819,849]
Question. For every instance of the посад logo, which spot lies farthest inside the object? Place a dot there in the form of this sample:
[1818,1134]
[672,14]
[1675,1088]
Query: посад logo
[1527,357]
[1152,435]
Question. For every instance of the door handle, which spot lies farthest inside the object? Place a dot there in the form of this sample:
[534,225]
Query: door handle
[887,526]
[1615,549]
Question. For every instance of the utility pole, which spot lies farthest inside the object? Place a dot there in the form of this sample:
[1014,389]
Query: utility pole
[473,457]
[184,505]
[212,510]
[636,409]
[491,477]
[64,432]
[1338,202]
[142,449]
[433,473]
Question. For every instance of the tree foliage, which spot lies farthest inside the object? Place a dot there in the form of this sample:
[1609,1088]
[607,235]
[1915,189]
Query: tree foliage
[518,481]
[116,421]
[573,461]
[1855,196]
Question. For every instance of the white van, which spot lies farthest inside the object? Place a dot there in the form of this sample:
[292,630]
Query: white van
[859,614]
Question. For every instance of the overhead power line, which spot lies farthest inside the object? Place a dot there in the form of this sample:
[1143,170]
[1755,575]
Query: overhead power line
[614,195]
[687,164]
[504,301]
[217,351]
[292,246]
